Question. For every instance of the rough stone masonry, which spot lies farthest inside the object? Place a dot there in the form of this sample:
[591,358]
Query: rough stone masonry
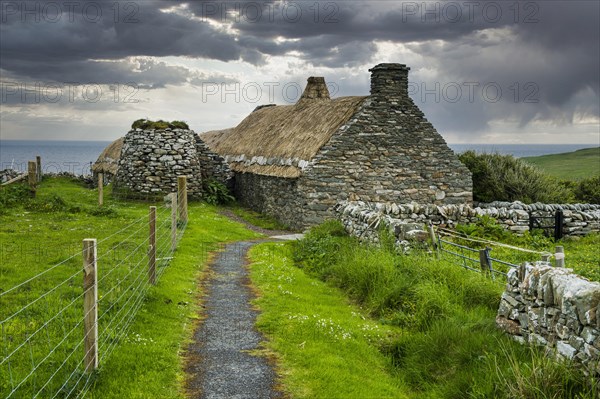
[554,308]
[151,161]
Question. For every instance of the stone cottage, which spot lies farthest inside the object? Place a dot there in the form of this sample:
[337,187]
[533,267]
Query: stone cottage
[146,163]
[295,162]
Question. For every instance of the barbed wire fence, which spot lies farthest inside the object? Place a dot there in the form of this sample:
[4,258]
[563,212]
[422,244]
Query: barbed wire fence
[55,329]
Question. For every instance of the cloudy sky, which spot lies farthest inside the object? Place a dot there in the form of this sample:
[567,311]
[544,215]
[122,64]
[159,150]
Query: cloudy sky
[482,71]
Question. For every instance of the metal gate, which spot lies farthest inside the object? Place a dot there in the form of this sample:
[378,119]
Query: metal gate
[552,225]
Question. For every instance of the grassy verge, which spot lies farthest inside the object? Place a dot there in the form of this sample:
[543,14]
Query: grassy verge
[575,165]
[325,346]
[438,320]
[257,219]
[37,234]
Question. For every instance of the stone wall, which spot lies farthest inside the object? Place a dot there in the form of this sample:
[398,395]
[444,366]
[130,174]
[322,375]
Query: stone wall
[151,161]
[579,219]
[387,151]
[274,196]
[555,308]
[362,219]
[212,165]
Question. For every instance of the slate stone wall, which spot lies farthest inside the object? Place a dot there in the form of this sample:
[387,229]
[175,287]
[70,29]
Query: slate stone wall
[151,161]
[554,308]
[274,196]
[212,165]
[387,151]
[363,219]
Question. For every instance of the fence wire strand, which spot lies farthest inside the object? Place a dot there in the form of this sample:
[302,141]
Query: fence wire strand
[41,354]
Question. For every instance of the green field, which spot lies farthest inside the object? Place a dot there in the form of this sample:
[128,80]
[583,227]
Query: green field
[575,165]
[341,319]
[142,328]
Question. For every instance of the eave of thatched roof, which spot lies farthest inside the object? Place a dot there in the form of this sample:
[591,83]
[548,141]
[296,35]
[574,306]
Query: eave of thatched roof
[108,161]
[281,140]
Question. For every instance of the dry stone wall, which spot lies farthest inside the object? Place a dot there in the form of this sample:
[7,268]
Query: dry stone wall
[362,219]
[212,165]
[554,308]
[151,161]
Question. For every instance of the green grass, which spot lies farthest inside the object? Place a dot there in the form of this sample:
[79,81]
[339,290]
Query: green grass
[257,219]
[324,345]
[581,253]
[575,165]
[438,318]
[146,362]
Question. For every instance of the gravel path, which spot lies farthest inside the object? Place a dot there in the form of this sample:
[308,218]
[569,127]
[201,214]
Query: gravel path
[219,363]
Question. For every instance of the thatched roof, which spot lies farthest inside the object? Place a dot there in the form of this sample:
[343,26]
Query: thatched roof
[280,140]
[108,161]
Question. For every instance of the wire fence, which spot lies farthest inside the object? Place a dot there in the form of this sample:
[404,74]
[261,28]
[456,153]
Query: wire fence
[475,253]
[43,333]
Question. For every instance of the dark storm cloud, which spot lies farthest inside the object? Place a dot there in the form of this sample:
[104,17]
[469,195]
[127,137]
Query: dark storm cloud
[551,44]
[43,49]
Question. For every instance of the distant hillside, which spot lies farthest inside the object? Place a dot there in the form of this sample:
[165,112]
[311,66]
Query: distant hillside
[575,165]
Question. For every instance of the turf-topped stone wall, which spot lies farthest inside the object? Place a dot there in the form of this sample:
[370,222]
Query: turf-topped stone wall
[363,219]
[555,308]
[151,161]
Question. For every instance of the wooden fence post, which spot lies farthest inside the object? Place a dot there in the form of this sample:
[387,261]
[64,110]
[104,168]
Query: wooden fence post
[38,161]
[152,247]
[32,177]
[100,189]
[484,261]
[559,256]
[182,194]
[90,304]
[173,221]
[433,238]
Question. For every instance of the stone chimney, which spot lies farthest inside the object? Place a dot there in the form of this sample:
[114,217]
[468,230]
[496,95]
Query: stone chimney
[389,82]
[316,89]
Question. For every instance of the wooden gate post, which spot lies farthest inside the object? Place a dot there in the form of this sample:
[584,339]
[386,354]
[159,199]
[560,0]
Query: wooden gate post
[182,194]
[38,161]
[152,247]
[173,221]
[434,244]
[100,189]
[32,177]
[90,304]
[484,261]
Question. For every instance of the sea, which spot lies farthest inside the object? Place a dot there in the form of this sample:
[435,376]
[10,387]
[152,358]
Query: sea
[77,156]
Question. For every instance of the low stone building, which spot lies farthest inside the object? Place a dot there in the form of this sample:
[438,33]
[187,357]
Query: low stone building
[146,163]
[295,162]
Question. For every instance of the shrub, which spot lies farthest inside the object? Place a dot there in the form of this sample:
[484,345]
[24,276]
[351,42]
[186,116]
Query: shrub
[506,178]
[13,195]
[588,190]
[216,193]
[52,203]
